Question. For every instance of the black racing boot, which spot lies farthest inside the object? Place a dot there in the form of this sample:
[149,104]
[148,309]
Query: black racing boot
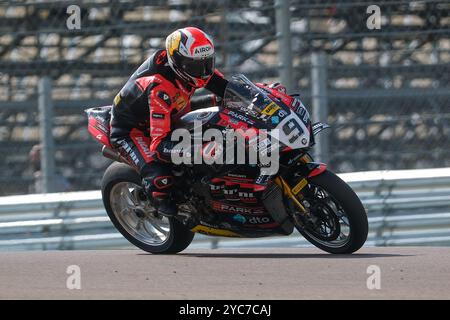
[162,201]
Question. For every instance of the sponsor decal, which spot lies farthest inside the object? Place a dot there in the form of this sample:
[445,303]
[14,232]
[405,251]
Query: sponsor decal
[99,126]
[270,109]
[231,194]
[223,207]
[296,104]
[275,120]
[240,117]
[259,220]
[202,50]
[239,218]
[215,187]
[302,112]
[129,151]
[164,97]
[158,115]
[174,150]
[180,101]
[143,144]
[243,194]
[299,186]
[251,220]
[282,114]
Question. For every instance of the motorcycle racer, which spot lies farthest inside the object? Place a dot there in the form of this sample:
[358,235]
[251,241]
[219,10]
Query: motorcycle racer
[156,95]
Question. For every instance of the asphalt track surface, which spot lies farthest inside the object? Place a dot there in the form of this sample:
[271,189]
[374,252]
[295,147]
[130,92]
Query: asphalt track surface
[303,273]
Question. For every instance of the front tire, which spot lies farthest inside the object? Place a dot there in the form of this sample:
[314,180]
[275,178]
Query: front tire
[134,218]
[348,209]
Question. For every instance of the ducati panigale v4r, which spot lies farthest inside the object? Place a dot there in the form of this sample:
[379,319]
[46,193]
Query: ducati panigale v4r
[236,200]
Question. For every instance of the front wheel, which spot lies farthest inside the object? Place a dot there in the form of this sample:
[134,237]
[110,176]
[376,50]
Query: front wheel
[335,221]
[135,218]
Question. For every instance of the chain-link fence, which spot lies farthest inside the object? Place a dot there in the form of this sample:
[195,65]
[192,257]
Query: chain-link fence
[380,78]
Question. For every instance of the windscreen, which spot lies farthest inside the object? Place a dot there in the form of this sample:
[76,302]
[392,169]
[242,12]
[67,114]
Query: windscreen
[244,96]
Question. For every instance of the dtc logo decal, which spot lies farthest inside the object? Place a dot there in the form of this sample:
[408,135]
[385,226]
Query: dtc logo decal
[259,220]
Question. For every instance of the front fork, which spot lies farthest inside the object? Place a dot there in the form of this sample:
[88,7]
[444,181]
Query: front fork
[292,186]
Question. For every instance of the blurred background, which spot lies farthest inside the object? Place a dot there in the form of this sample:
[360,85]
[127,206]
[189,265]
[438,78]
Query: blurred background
[382,84]
[384,91]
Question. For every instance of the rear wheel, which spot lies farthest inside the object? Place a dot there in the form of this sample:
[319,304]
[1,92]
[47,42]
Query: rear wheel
[336,221]
[134,217]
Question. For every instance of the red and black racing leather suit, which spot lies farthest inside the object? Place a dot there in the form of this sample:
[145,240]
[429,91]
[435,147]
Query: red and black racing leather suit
[143,114]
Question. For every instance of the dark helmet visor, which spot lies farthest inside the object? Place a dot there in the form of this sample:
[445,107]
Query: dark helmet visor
[197,68]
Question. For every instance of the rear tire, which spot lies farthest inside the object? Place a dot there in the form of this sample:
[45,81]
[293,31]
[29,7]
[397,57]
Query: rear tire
[179,237]
[351,205]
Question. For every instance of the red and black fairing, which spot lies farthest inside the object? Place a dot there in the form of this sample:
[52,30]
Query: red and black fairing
[236,200]
[99,124]
[237,197]
[237,206]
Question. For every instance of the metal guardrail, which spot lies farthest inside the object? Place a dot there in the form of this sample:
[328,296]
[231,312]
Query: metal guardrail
[406,207]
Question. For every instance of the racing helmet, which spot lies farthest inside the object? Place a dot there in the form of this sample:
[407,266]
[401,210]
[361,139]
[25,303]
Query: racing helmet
[190,53]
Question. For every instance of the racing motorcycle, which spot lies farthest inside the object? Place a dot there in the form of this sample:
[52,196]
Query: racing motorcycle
[229,200]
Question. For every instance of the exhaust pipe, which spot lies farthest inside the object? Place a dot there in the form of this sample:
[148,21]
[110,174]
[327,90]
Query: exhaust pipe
[111,154]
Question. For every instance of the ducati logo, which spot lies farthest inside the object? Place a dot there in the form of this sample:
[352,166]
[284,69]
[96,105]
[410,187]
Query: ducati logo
[143,144]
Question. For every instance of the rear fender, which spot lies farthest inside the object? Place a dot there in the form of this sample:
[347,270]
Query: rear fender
[98,124]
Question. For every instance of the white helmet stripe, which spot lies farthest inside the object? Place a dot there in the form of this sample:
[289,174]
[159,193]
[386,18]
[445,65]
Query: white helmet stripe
[190,40]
